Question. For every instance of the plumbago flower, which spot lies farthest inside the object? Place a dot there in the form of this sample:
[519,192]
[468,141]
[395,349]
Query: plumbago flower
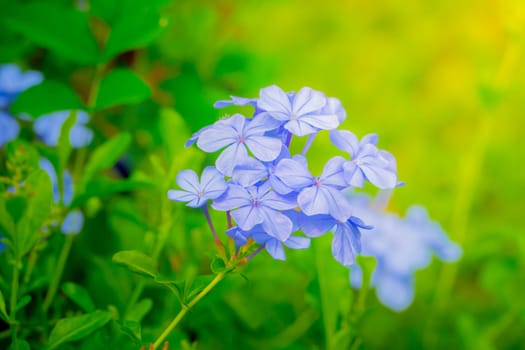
[401,246]
[48,128]
[12,82]
[74,220]
[269,195]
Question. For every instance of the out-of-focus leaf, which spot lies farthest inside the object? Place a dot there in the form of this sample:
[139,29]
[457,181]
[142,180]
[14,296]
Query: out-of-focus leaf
[75,328]
[37,210]
[139,310]
[46,97]
[134,29]
[79,295]
[121,86]
[7,225]
[136,261]
[64,146]
[23,302]
[102,186]
[59,28]
[218,265]
[20,345]
[3,311]
[132,330]
[106,155]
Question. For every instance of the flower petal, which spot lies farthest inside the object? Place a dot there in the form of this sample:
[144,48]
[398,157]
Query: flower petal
[230,158]
[235,196]
[275,249]
[247,217]
[276,224]
[276,102]
[212,183]
[297,242]
[293,174]
[307,101]
[73,223]
[264,148]
[346,141]
[189,181]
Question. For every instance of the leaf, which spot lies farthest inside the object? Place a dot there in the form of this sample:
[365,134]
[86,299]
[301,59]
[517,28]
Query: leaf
[132,330]
[78,327]
[64,143]
[46,97]
[59,28]
[37,210]
[23,302]
[140,310]
[79,295]
[7,225]
[121,86]
[102,186]
[136,261]
[106,155]
[19,344]
[3,311]
[134,29]
[218,265]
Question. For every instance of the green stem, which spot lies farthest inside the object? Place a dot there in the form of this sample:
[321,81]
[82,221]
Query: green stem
[14,298]
[58,272]
[219,277]
[95,85]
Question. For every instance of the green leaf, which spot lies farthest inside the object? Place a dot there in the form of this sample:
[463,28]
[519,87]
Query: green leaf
[7,224]
[37,210]
[102,186]
[19,344]
[79,295]
[78,327]
[121,86]
[46,97]
[133,30]
[64,147]
[136,261]
[218,265]
[132,330]
[3,311]
[140,310]
[59,28]
[177,287]
[23,302]
[106,155]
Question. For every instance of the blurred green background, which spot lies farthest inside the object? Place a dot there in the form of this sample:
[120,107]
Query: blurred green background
[441,82]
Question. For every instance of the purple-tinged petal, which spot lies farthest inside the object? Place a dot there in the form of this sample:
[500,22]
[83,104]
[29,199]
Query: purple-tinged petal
[293,174]
[275,101]
[321,121]
[237,235]
[247,217]
[235,100]
[299,128]
[334,106]
[275,249]
[333,173]
[317,225]
[307,101]
[279,202]
[369,139]
[235,197]
[212,183]
[249,172]
[276,224]
[189,181]
[297,242]
[230,158]
[216,137]
[313,200]
[181,196]
[345,245]
[396,292]
[264,148]
[345,141]
[260,124]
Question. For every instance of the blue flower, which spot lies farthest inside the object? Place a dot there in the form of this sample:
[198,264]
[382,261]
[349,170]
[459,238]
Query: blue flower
[9,127]
[400,246]
[13,81]
[196,192]
[239,134]
[73,223]
[2,245]
[302,113]
[317,195]
[258,205]
[272,245]
[237,101]
[367,161]
[48,128]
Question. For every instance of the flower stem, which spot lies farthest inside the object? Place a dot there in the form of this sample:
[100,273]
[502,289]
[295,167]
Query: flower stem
[229,218]
[14,298]
[288,139]
[308,143]
[185,308]
[58,272]
[255,252]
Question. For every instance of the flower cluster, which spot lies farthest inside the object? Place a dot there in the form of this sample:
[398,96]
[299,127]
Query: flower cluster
[401,246]
[270,194]
[47,127]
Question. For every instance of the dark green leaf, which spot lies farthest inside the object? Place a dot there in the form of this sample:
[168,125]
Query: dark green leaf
[49,96]
[79,295]
[121,86]
[139,310]
[218,265]
[137,262]
[132,330]
[3,312]
[7,224]
[59,28]
[75,328]
[22,303]
[106,155]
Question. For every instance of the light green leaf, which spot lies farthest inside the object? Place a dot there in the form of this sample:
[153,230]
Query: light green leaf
[3,311]
[136,261]
[64,142]
[121,86]
[78,327]
[79,295]
[140,310]
[49,96]
[59,28]
[106,155]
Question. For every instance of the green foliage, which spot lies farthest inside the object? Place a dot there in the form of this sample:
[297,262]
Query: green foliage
[120,87]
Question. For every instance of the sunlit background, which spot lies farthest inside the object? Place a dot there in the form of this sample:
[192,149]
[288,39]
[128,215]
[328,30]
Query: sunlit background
[441,82]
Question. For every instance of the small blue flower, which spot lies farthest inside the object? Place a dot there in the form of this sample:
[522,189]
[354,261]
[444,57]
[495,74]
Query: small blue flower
[48,128]
[2,245]
[400,246]
[67,182]
[73,223]
[13,81]
[302,113]
[239,134]
[237,101]
[317,195]
[258,205]
[196,192]
[10,128]
[367,161]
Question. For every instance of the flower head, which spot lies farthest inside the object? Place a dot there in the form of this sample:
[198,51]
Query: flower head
[13,81]
[195,192]
[48,128]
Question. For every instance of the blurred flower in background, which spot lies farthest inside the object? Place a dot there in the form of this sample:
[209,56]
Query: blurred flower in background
[401,246]
[48,128]
[12,82]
